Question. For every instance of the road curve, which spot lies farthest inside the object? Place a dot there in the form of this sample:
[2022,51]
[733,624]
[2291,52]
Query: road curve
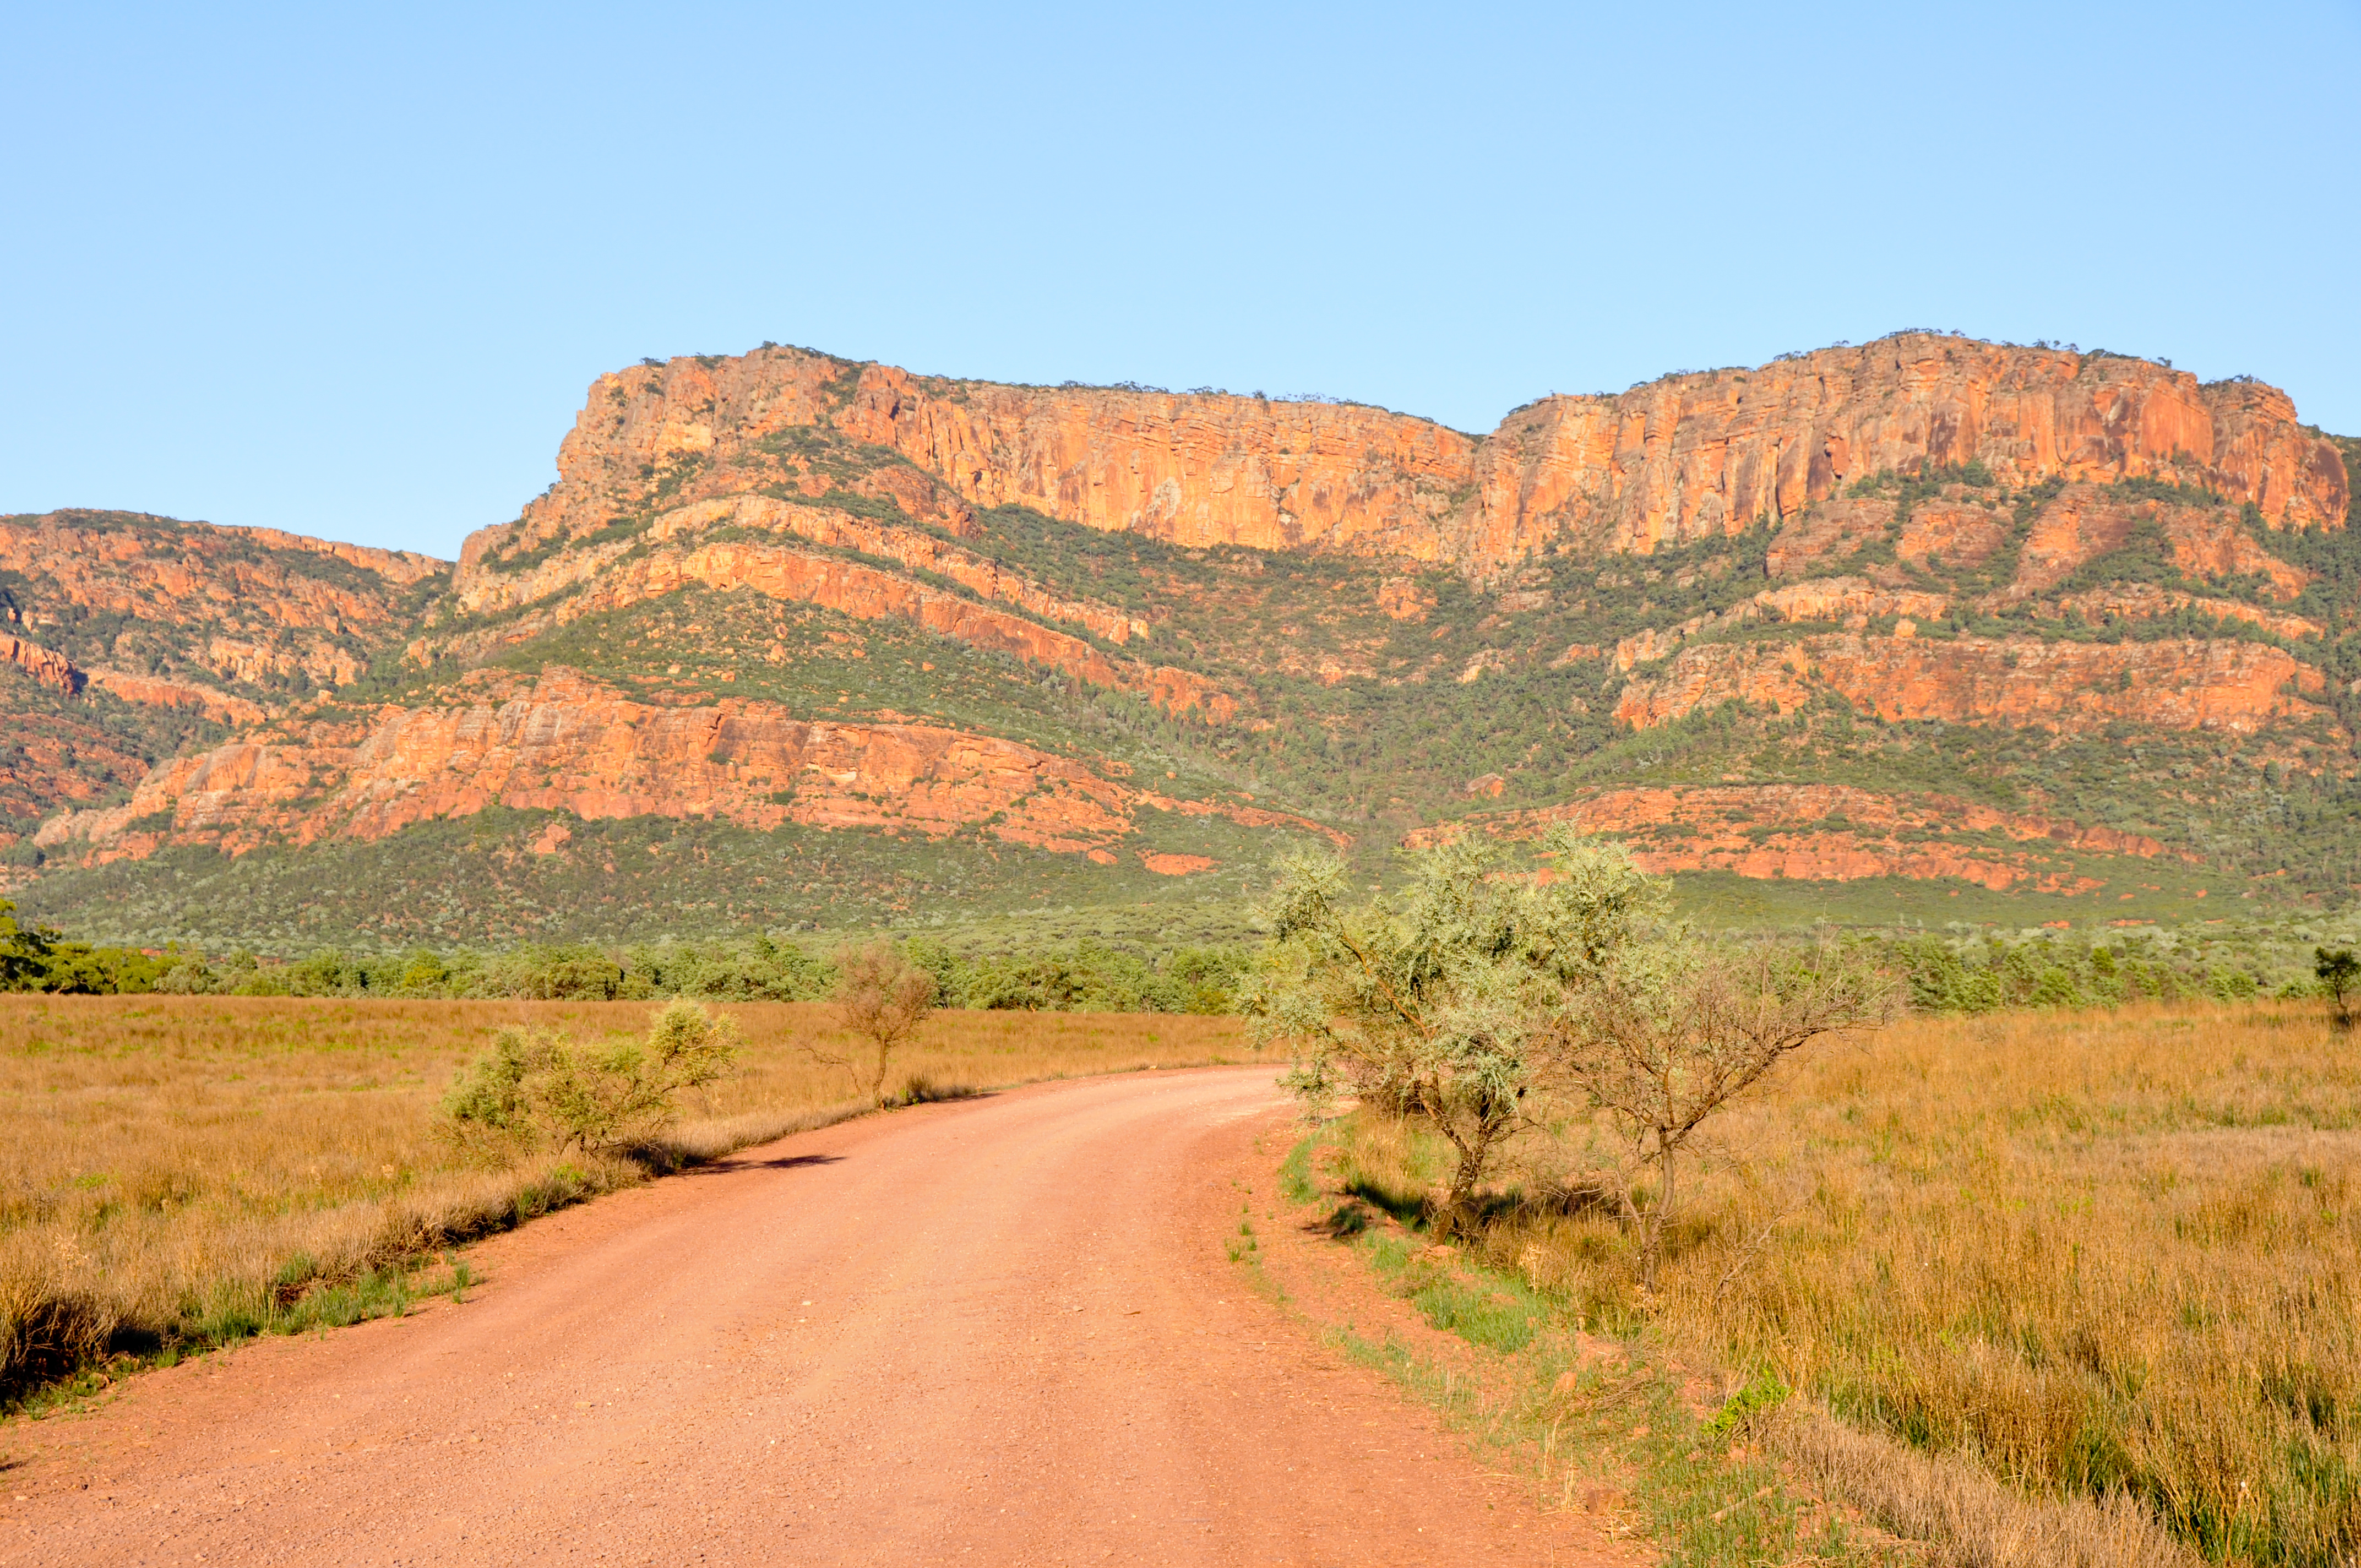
[999,1332]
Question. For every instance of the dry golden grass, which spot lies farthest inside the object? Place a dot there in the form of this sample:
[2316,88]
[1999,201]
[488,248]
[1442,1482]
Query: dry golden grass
[189,1168]
[2097,1256]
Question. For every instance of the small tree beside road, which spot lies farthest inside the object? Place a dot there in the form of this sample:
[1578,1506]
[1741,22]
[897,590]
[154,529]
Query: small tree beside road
[1444,1004]
[1676,1030]
[881,998]
[1486,1002]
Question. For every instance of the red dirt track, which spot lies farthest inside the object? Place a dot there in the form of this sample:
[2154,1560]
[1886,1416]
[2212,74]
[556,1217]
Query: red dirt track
[999,1332]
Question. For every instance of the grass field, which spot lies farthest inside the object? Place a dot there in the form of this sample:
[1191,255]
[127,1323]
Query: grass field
[2091,1256]
[184,1172]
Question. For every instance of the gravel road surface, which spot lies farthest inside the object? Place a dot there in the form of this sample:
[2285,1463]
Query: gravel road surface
[1004,1330]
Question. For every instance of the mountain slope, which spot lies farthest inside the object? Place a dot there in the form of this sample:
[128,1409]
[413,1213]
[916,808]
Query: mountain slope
[1925,613]
[126,636]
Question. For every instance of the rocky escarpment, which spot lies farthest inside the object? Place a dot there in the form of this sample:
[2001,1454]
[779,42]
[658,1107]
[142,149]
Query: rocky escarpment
[190,625]
[2061,686]
[1691,456]
[564,743]
[159,610]
[877,572]
[1686,457]
[1832,833]
[2023,621]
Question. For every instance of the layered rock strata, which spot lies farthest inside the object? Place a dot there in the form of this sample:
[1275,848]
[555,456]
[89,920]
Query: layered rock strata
[2059,687]
[59,674]
[1827,833]
[853,589]
[565,744]
[240,605]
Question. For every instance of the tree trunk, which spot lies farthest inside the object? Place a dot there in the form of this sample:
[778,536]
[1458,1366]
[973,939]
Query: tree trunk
[1652,1235]
[1463,1190]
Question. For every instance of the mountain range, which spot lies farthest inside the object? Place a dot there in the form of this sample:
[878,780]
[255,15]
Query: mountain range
[1926,628]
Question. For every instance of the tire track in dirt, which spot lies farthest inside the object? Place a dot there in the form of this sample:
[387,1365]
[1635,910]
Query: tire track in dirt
[1000,1331]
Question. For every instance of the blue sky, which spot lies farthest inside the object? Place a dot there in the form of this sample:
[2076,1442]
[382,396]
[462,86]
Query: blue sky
[350,274]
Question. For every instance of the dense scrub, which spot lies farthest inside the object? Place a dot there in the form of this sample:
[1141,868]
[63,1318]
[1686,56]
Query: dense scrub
[1078,976]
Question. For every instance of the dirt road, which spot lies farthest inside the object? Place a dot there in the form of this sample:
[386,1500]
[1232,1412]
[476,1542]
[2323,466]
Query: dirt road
[1000,1332]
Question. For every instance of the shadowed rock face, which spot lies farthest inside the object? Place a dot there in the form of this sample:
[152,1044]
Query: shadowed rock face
[1686,457]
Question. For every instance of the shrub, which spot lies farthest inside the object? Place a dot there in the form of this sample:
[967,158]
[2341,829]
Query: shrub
[538,1088]
[556,973]
[1676,1030]
[36,958]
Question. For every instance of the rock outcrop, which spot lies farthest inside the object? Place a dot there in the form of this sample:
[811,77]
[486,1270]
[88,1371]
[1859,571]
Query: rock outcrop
[1829,833]
[565,743]
[1361,613]
[59,674]
[2059,687]
[1692,456]
[2145,601]
[860,591]
[51,668]
[1686,457]
[248,606]
[1848,599]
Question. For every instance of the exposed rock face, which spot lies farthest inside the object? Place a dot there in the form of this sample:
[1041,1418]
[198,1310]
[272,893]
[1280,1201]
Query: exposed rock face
[57,672]
[1848,599]
[49,760]
[1177,865]
[1942,532]
[1692,456]
[866,594]
[53,670]
[2143,602]
[565,743]
[2064,687]
[1921,529]
[487,593]
[1827,833]
[1830,532]
[1191,470]
[244,605]
[156,692]
[2083,523]
[1686,457]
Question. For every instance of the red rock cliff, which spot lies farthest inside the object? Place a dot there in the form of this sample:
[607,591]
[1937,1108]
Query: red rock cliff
[1680,458]
[562,742]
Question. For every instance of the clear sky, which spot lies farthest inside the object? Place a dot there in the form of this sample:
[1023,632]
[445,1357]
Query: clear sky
[348,270]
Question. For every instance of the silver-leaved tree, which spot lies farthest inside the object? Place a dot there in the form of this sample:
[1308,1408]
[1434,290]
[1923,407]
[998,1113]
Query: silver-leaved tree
[1446,1003]
[1489,999]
